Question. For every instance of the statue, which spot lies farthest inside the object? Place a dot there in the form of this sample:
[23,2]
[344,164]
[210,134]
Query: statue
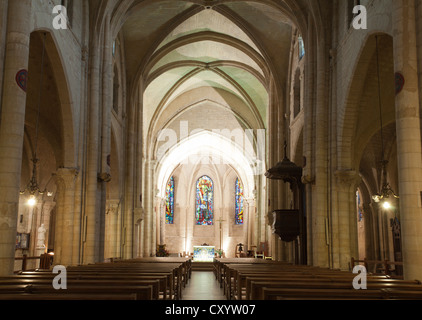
[41,237]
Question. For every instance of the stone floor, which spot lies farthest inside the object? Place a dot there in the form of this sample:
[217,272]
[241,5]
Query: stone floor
[203,286]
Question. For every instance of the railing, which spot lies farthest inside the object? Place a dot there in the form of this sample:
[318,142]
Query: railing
[381,266]
[45,261]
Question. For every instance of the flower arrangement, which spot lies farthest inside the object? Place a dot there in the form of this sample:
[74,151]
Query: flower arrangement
[161,251]
[219,252]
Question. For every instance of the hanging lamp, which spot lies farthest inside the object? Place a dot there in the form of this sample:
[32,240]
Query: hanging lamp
[33,187]
[386,192]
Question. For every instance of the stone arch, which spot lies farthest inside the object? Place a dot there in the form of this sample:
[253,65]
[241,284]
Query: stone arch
[350,116]
[67,105]
[51,97]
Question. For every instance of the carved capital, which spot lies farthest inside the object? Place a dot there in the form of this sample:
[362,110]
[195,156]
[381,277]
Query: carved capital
[138,214]
[112,206]
[66,177]
[347,179]
[104,177]
[306,179]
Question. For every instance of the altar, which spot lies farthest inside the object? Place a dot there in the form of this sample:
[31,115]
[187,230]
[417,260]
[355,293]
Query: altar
[203,254]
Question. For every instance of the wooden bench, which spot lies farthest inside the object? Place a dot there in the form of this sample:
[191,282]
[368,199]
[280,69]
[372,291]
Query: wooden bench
[378,266]
[271,280]
[72,283]
[257,287]
[338,294]
[140,292]
[260,281]
[143,279]
[172,271]
[78,297]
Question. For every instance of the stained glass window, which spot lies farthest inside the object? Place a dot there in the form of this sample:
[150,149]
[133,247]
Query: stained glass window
[301,48]
[170,201]
[239,202]
[204,201]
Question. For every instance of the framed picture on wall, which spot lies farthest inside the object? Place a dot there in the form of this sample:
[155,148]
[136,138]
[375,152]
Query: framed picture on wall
[22,241]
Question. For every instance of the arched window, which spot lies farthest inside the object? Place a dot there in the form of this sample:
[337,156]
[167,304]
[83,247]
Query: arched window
[239,202]
[301,48]
[170,201]
[204,202]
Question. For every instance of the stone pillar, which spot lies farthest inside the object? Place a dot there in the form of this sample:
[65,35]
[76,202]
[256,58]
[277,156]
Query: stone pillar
[12,127]
[346,228]
[91,219]
[320,189]
[250,218]
[408,136]
[149,243]
[65,180]
[112,240]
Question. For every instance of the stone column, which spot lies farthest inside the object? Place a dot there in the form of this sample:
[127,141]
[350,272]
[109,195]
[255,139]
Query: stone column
[91,219]
[65,180]
[408,136]
[346,229]
[320,189]
[110,230]
[12,127]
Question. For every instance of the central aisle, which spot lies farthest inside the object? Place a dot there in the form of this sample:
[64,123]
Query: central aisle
[203,286]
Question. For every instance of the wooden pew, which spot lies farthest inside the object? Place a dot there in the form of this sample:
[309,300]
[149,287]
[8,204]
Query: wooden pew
[146,278]
[257,287]
[172,271]
[78,297]
[26,283]
[140,292]
[339,294]
[253,281]
[235,280]
[273,280]
[180,267]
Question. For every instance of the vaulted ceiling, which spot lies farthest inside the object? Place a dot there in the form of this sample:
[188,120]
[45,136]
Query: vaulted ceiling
[234,47]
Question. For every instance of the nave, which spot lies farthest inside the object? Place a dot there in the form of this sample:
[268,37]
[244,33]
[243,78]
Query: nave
[203,286]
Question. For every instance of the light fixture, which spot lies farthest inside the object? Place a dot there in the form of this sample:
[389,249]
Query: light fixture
[33,187]
[386,205]
[32,201]
[386,191]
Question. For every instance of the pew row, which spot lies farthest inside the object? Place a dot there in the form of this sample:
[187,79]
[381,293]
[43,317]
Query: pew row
[268,280]
[139,279]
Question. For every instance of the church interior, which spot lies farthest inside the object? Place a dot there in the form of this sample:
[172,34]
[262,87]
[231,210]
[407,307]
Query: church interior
[220,136]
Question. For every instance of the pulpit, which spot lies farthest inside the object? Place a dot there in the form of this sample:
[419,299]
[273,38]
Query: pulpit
[203,253]
[290,225]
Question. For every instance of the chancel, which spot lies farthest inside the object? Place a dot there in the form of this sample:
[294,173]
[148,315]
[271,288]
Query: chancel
[242,144]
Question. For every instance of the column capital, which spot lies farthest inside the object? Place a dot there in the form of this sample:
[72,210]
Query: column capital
[348,178]
[113,206]
[66,176]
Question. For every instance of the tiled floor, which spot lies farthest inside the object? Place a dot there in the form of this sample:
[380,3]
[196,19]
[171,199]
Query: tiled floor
[203,286]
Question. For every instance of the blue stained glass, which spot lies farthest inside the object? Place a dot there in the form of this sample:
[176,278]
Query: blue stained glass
[170,201]
[301,48]
[204,201]
[239,202]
